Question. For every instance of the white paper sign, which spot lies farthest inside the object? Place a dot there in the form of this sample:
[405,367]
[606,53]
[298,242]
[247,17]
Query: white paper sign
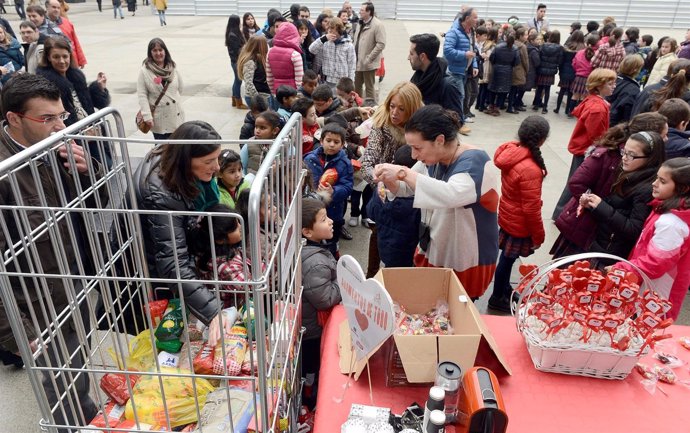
[368,305]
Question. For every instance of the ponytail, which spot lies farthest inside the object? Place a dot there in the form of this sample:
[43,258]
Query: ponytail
[675,88]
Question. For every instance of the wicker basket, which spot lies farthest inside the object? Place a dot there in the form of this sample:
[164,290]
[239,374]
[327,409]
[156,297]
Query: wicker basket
[576,359]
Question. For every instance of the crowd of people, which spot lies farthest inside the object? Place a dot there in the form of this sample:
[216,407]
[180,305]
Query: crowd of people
[428,198]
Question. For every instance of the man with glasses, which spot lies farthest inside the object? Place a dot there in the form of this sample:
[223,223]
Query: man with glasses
[32,110]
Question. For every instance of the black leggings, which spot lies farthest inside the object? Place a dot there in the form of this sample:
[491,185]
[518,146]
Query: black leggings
[545,91]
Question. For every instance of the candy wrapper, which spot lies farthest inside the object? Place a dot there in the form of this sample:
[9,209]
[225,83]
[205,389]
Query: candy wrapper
[329,177]
[665,374]
[115,386]
[685,342]
[210,359]
[184,361]
[434,322]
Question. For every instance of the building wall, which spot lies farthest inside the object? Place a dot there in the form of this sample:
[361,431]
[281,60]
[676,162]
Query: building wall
[641,13]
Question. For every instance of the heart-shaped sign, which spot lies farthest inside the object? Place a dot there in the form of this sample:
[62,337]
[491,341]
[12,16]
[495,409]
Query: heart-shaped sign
[368,305]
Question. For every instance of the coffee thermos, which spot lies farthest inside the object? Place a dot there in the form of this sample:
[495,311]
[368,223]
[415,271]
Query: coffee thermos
[449,377]
[435,402]
[437,421]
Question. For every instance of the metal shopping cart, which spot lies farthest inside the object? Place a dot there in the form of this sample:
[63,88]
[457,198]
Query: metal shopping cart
[77,294]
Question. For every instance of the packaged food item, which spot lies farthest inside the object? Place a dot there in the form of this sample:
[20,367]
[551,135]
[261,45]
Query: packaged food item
[665,374]
[215,416]
[166,359]
[685,342]
[434,322]
[186,362]
[141,354]
[181,396]
[235,349]
[171,346]
[203,361]
[112,412]
[115,386]
[667,359]
[329,177]
[157,309]
[171,326]
[645,371]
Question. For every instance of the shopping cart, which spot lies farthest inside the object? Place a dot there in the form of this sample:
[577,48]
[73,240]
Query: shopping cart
[77,294]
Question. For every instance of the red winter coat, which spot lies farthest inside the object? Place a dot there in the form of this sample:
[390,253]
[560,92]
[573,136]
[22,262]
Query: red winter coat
[592,122]
[68,29]
[284,65]
[519,212]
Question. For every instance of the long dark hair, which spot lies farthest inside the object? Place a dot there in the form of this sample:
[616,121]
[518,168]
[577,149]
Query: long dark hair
[532,133]
[576,42]
[227,157]
[319,23]
[679,169]
[51,43]
[308,40]
[200,243]
[245,29]
[619,134]
[590,43]
[653,149]
[175,163]
[168,61]
[233,30]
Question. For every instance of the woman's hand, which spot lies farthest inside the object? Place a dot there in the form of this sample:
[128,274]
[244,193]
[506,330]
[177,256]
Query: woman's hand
[390,174]
[589,201]
[365,112]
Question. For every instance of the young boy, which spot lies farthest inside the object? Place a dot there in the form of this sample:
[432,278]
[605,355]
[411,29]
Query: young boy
[320,288]
[285,95]
[257,105]
[677,111]
[309,82]
[345,89]
[397,221]
[310,126]
[332,172]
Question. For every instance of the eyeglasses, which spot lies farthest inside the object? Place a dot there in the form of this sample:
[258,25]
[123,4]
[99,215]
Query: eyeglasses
[629,155]
[51,118]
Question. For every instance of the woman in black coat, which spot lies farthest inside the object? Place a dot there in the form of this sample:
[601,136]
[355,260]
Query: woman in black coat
[234,41]
[503,59]
[566,72]
[551,56]
[627,90]
[132,6]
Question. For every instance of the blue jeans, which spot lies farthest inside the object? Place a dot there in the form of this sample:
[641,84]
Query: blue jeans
[237,84]
[459,83]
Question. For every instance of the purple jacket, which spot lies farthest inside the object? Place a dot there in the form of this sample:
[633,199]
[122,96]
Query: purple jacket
[597,173]
[684,52]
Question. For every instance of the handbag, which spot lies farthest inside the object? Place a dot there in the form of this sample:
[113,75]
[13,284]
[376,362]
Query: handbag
[139,118]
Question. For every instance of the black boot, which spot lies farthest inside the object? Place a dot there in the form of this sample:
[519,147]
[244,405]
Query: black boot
[9,358]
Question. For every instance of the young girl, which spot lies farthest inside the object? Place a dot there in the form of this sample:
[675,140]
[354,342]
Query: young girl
[662,251]
[486,50]
[667,54]
[251,67]
[320,287]
[249,26]
[592,122]
[503,59]
[566,71]
[550,56]
[519,213]
[226,233]
[610,53]
[310,126]
[266,127]
[620,213]
[582,63]
[230,178]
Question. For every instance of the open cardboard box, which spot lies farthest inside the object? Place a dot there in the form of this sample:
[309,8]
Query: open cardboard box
[418,290]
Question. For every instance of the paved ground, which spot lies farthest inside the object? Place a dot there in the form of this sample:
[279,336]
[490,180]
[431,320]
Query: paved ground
[117,47]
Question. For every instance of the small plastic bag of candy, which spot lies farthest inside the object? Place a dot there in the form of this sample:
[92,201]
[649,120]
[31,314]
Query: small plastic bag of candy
[685,342]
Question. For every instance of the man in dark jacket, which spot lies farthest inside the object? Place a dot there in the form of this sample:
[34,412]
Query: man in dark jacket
[430,73]
[32,109]
[677,112]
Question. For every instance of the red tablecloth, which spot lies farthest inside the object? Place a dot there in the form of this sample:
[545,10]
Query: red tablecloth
[535,401]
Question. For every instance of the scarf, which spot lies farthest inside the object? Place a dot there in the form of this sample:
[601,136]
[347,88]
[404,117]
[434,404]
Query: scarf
[165,72]
[429,81]
[209,195]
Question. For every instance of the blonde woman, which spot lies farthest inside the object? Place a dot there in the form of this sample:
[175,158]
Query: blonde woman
[10,53]
[251,67]
[387,135]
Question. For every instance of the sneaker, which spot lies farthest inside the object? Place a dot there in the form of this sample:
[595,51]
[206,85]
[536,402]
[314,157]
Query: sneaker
[469,120]
[354,221]
[367,222]
[465,130]
[345,234]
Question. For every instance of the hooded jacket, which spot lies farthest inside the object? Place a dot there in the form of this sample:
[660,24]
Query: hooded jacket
[284,61]
[520,70]
[165,244]
[622,99]
[317,162]
[338,57]
[455,45]
[320,286]
[678,143]
[397,226]
[592,122]
[663,253]
[581,65]
[519,211]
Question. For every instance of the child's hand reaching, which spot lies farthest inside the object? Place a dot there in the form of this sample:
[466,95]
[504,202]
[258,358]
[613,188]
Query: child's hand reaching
[326,188]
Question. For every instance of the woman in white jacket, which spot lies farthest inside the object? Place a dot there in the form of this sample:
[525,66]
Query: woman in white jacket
[159,74]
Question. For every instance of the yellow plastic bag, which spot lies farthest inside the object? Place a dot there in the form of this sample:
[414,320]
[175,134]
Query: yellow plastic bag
[180,399]
[141,355]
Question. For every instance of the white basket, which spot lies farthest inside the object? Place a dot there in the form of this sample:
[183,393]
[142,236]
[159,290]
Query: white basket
[576,359]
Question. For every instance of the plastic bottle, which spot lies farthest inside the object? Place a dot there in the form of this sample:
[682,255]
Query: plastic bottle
[435,401]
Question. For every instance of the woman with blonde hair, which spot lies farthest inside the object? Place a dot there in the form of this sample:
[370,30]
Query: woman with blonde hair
[10,53]
[592,122]
[251,67]
[387,135]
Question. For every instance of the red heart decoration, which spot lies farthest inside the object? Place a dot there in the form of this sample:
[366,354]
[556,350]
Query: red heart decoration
[525,269]
[362,320]
[579,284]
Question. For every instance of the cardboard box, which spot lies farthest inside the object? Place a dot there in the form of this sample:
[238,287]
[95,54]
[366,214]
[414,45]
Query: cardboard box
[418,290]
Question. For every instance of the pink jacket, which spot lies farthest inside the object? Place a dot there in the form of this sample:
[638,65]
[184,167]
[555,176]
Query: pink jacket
[663,253]
[284,65]
[582,66]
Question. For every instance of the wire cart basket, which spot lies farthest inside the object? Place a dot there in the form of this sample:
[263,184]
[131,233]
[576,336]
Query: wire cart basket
[78,296]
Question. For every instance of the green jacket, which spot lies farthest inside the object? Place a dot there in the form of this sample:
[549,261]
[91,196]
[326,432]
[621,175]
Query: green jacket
[227,199]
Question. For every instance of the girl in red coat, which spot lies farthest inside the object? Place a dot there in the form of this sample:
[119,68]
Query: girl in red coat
[592,122]
[663,250]
[519,212]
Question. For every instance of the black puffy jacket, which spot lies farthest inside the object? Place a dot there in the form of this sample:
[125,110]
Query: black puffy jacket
[166,244]
[622,100]
[566,72]
[503,59]
[551,56]
[321,290]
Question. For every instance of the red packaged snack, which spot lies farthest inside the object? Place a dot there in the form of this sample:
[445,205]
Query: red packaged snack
[329,177]
[115,386]
[203,361]
[645,371]
[157,309]
[665,374]
[115,415]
